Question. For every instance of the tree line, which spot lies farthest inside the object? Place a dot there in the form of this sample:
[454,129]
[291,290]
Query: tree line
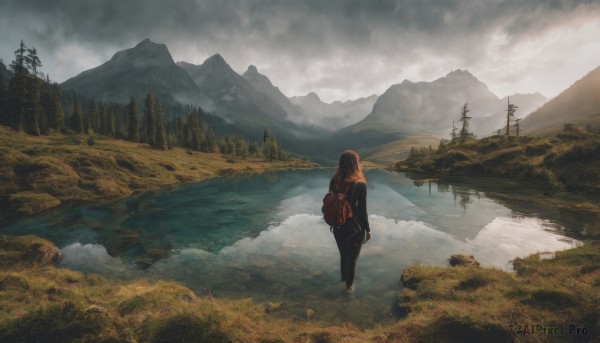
[33,104]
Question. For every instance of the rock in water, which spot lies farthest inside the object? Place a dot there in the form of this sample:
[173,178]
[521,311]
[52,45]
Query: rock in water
[460,260]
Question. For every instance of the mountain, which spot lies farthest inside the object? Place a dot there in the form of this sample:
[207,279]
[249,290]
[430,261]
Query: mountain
[232,97]
[578,104]
[133,72]
[431,107]
[335,115]
[262,84]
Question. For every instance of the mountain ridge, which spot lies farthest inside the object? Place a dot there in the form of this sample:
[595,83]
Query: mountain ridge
[579,104]
[148,66]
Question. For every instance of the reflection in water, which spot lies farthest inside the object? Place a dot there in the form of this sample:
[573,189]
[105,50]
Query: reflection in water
[263,237]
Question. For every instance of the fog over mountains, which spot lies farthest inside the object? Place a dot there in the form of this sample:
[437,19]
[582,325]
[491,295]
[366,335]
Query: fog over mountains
[335,115]
[309,126]
[432,107]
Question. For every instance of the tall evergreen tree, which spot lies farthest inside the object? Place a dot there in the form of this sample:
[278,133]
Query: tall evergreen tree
[93,119]
[211,141]
[18,90]
[56,115]
[20,62]
[510,113]
[76,120]
[112,124]
[160,140]
[149,112]
[33,62]
[464,133]
[133,128]
[33,106]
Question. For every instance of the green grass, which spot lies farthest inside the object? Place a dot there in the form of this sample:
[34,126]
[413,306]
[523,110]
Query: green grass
[38,173]
[569,160]
[39,302]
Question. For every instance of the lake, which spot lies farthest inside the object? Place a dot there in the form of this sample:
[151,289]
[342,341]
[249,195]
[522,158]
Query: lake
[263,237]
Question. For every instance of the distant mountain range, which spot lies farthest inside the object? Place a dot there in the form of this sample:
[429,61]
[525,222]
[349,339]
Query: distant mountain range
[432,107]
[309,126]
[578,104]
[335,115]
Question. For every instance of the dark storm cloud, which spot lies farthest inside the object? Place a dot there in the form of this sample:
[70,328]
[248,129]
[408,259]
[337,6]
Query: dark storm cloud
[297,35]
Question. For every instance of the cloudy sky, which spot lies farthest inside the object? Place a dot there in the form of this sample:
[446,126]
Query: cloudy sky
[339,49]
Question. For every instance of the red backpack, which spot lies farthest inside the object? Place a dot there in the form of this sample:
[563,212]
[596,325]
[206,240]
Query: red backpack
[336,207]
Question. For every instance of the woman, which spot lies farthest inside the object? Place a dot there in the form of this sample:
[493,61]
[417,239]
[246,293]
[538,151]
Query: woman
[356,231]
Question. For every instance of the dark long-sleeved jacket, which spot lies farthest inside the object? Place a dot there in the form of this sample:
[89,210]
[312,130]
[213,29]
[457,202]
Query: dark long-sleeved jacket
[358,199]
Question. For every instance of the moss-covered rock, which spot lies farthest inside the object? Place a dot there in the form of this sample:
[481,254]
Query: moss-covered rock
[28,250]
[460,260]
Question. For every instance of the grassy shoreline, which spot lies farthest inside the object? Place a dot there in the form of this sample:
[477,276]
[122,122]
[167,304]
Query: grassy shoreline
[40,302]
[39,173]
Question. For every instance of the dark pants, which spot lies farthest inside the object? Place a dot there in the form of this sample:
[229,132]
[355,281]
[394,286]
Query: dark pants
[349,245]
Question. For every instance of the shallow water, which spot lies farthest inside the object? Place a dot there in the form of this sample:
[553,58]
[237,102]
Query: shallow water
[262,236]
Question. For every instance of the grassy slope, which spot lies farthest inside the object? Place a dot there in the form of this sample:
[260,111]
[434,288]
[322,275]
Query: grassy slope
[37,173]
[39,302]
[397,150]
[569,160]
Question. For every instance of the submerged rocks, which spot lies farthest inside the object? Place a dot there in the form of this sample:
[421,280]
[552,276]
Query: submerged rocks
[15,250]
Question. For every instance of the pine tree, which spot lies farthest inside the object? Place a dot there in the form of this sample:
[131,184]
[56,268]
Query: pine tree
[133,129]
[464,118]
[33,61]
[76,121]
[112,125]
[510,113]
[211,141]
[56,115]
[453,133]
[33,107]
[149,113]
[18,90]
[160,139]
[517,126]
[93,119]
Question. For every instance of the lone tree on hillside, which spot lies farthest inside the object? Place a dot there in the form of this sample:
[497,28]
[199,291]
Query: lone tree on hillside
[510,113]
[464,133]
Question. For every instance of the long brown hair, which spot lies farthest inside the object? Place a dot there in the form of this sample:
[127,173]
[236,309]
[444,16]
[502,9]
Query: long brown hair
[349,169]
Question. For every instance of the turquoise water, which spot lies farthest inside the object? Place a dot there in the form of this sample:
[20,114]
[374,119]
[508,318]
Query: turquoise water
[262,236]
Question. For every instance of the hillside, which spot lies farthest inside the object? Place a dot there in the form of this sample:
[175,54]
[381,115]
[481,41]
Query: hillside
[578,104]
[37,173]
[133,72]
[398,150]
[569,160]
